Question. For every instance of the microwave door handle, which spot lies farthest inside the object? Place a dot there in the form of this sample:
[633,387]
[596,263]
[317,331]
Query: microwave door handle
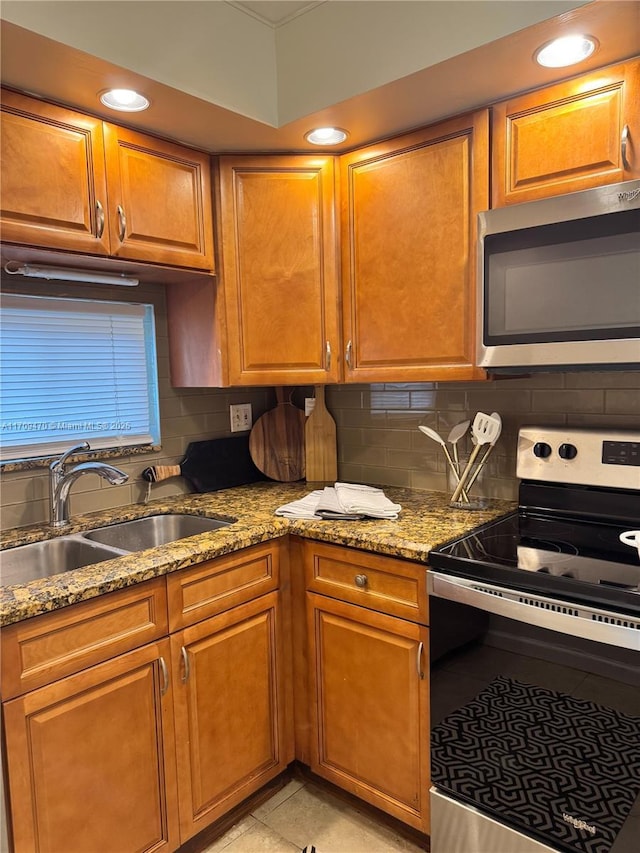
[624,141]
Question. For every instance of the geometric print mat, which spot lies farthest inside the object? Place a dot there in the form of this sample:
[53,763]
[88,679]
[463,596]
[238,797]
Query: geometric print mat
[564,770]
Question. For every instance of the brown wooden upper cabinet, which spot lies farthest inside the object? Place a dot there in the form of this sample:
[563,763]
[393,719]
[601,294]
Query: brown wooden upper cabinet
[279,269]
[72,182]
[54,190]
[578,134]
[409,210]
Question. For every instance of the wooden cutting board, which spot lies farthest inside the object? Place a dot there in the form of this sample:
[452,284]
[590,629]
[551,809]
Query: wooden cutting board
[321,452]
[276,442]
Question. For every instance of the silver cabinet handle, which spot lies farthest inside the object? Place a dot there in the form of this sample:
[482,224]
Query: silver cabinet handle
[185,662]
[419,660]
[347,355]
[122,222]
[99,220]
[327,356]
[624,140]
[165,677]
[361,581]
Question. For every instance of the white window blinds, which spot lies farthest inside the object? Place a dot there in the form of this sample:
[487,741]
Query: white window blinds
[74,370]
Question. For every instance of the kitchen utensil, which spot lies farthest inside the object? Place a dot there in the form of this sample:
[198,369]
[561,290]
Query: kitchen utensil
[276,442]
[211,465]
[454,437]
[631,538]
[482,462]
[431,433]
[484,429]
[321,455]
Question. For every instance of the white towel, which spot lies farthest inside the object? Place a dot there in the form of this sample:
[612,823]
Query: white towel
[303,508]
[346,500]
[330,507]
[365,500]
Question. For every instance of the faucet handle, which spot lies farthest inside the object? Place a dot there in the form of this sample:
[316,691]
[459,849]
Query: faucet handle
[60,462]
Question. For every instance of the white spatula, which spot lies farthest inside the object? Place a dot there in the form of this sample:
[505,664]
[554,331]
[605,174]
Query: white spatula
[482,462]
[485,429]
[453,438]
[431,433]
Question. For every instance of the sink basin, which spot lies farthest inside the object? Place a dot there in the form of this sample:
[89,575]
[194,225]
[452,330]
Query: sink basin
[51,557]
[153,530]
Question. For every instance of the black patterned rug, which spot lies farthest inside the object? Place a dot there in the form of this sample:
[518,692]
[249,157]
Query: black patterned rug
[564,770]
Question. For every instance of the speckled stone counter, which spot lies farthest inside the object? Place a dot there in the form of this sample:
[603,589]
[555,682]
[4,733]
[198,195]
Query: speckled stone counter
[426,520]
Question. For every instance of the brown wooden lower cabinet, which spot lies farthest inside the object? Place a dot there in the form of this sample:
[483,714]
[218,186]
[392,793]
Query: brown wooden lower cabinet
[370,706]
[119,748]
[91,759]
[228,697]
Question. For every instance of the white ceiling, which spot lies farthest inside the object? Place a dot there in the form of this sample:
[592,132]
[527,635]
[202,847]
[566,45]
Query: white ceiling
[254,76]
[274,12]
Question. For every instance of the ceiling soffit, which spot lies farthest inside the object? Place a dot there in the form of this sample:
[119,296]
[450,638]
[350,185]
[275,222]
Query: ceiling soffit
[228,103]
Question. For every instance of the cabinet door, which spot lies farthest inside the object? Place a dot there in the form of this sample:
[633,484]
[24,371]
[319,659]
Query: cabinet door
[409,210]
[229,710]
[279,262]
[53,177]
[91,760]
[568,137]
[159,200]
[370,716]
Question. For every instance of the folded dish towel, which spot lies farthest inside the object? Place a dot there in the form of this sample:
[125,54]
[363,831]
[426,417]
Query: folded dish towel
[366,500]
[344,501]
[303,508]
[330,507]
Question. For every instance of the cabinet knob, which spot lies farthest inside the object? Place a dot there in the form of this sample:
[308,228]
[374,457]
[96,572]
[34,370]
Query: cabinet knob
[361,581]
[328,356]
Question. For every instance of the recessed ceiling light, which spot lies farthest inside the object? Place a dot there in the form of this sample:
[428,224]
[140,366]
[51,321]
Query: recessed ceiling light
[326,136]
[125,100]
[564,51]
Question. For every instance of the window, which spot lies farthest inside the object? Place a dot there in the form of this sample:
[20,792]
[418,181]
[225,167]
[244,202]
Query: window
[74,370]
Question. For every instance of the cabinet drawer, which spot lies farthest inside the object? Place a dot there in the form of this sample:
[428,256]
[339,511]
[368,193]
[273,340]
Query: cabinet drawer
[381,583]
[216,585]
[41,650]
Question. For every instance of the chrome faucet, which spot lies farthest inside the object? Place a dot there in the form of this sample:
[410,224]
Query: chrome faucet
[61,480]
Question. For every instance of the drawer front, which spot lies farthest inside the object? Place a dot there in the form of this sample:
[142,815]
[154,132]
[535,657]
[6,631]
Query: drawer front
[381,583]
[41,650]
[216,585]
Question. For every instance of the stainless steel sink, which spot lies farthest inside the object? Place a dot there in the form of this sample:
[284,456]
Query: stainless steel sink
[154,530]
[51,557]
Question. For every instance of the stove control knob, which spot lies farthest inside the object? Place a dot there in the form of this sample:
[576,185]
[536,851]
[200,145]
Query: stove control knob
[541,449]
[568,451]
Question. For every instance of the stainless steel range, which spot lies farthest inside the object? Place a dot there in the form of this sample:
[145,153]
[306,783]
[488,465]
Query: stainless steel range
[545,753]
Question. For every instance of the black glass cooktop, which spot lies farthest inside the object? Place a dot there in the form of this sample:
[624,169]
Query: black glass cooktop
[576,560]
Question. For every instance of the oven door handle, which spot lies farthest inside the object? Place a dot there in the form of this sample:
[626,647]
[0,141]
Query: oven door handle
[579,620]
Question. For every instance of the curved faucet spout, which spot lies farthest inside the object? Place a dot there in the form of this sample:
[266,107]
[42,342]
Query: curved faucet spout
[62,480]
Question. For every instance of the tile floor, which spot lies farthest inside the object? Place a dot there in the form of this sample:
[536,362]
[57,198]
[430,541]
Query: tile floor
[301,814]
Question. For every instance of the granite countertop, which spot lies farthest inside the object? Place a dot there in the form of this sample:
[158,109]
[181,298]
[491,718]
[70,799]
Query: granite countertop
[426,520]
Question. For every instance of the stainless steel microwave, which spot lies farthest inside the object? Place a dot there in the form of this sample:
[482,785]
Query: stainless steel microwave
[559,282]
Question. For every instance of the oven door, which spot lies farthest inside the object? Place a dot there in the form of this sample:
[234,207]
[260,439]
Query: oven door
[535,727]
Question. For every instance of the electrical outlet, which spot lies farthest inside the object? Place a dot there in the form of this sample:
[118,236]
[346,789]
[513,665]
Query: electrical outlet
[309,405]
[241,418]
